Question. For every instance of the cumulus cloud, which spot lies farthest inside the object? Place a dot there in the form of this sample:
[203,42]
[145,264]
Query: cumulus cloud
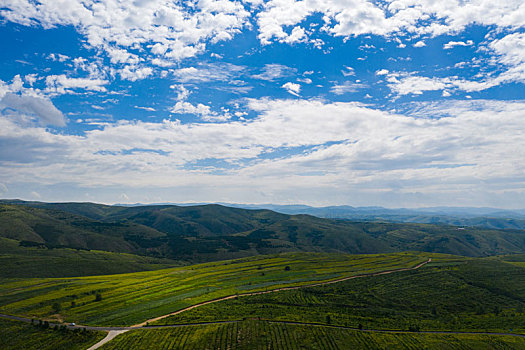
[62,84]
[170,30]
[356,149]
[452,44]
[133,73]
[203,111]
[33,108]
[292,88]
[357,17]
[508,52]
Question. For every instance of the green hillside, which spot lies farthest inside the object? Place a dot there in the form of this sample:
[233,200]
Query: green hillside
[213,232]
[463,295]
[54,228]
[27,262]
[126,299]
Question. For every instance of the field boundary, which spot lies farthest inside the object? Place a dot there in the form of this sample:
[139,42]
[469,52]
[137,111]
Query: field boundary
[317,284]
[114,331]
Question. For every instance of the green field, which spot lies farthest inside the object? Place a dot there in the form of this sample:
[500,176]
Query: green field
[19,335]
[265,335]
[27,262]
[128,299]
[468,295]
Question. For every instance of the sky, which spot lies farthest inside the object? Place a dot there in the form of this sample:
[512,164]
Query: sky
[396,103]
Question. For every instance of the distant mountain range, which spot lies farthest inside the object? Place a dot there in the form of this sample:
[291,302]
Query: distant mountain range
[493,218]
[215,232]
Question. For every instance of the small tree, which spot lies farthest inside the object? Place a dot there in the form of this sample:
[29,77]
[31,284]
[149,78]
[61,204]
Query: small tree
[287,268]
[98,297]
[57,307]
[328,319]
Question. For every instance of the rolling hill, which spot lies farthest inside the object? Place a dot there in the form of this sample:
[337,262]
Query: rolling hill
[215,232]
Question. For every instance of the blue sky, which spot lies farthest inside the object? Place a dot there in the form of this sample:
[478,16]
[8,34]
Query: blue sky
[404,103]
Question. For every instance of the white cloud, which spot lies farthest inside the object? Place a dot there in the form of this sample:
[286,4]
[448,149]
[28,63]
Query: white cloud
[452,44]
[134,73]
[346,87]
[417,17]
[348,71]
[292,88]
[171,30]
[420,44]
[223,72]
[149,109]
[382,72]
[26,108]
[508,51]
[182,93]
[62,84]
[203,111]
[304,80]
[272,72]
[357,150]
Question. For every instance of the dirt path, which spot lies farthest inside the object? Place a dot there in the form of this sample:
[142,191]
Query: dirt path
[110,336]
[279,290]
[114,331]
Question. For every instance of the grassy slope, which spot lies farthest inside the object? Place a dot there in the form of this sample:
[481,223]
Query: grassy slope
[476,294]
[60,228]
[265,335]
[29,262]
[15,335]
[213,232]
[132,298]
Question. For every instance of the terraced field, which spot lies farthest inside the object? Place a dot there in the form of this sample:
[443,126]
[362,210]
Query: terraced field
[18,335]
[128,299]
[464,295]
[252,334]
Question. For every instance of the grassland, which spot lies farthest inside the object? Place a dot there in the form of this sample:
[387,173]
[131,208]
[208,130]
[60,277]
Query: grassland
[265,335]
[465,294]
[128,299]
[27,262]
[18,335]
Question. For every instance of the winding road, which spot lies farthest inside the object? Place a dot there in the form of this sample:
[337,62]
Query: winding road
[114,331]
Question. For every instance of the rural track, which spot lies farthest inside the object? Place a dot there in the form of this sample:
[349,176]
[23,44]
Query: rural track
[114,331]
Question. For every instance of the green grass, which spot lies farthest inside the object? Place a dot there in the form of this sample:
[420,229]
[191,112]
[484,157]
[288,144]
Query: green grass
[465,294]
[264,335]
[27,262]
[133,298]
[19,335]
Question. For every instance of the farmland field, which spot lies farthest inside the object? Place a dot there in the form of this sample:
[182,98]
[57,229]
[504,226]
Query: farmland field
[128,299]
[467,295]
[266,335]
[18,335]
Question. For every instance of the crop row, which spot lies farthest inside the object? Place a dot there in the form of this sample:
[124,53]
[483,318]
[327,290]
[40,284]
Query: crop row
[266,335]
